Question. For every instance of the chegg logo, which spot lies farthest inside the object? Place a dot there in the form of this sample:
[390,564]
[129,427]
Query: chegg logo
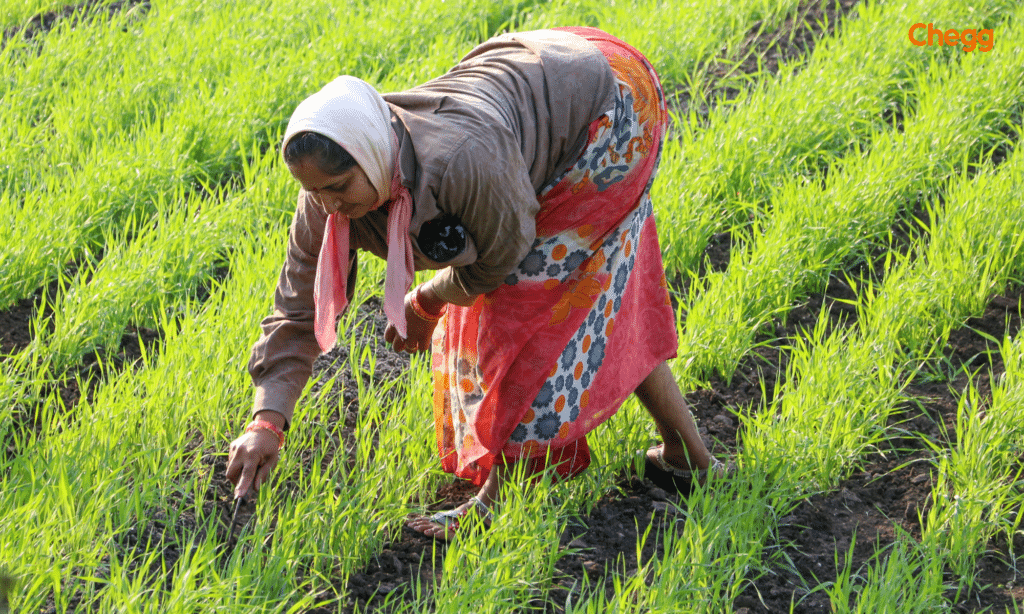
[926,34]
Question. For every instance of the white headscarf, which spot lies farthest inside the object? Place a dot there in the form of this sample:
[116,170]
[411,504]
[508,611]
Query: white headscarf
[352,114]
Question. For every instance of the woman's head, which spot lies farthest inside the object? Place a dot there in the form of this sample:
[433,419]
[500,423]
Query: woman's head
[342,134]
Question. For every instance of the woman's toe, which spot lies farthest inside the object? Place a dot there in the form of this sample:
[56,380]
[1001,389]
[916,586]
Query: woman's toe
[425,526]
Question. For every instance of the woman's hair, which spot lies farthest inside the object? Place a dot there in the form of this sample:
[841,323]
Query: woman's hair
[329,157]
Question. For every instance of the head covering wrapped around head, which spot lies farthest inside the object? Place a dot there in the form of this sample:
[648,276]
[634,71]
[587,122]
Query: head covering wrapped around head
[351,113]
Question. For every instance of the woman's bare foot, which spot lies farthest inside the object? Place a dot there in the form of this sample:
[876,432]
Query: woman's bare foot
[445,525]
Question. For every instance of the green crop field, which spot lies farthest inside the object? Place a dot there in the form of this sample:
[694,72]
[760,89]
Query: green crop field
[839,209]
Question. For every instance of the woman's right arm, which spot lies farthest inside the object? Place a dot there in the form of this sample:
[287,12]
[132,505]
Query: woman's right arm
[281,361]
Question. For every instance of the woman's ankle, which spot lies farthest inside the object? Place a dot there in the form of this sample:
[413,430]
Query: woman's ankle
[487,498]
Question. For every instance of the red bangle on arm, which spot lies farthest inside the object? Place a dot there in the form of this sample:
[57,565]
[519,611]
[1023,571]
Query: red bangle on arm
[418,308]
[264,425]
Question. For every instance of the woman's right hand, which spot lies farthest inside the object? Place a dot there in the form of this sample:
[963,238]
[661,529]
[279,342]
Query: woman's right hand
[252,457]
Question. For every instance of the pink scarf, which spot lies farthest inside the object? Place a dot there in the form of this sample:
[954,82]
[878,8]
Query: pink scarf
[332,267]
[350,112]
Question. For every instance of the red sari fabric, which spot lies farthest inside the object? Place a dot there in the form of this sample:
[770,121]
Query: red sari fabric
[530,368]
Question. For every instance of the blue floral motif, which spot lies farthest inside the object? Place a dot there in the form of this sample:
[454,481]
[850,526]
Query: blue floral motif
[533,264]
[612,248]
[512,279]
[609,176]
[547,426]
[647,209]
[585,380]
[621,277]
[574,260]
[569,356]
[618,303]
[559,383]
[554,270]
[545,396]
[519,434]
[620,122]
[600,148]
[572,397]
[623,121]
[601,304]
[596,355]
[583,162]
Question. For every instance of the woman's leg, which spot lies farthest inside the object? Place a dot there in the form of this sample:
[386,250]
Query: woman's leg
[660,395]
[488,494]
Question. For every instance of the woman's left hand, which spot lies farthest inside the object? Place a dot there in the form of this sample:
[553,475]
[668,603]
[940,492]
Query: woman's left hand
[420,330]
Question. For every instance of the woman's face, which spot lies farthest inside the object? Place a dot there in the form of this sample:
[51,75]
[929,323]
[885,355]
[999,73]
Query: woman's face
[349,193]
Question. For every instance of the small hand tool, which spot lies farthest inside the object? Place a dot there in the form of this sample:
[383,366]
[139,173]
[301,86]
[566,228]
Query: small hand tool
[234,514]
[234,519]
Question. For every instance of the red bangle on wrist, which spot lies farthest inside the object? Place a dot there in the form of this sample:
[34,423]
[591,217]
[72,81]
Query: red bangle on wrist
[263,425]
[417,307]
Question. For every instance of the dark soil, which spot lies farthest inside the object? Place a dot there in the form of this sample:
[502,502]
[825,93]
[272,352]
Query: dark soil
[762,53]
[16,334]
[15,322]
[72,13]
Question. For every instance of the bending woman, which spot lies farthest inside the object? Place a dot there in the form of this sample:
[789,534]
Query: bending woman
[522,176]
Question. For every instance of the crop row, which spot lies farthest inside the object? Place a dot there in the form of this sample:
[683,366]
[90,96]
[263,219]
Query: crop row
[819,227]
[842,387]
[854,87]
[975,248]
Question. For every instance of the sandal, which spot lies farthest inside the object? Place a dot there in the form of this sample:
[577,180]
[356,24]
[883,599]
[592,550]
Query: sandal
[668,477]
[449,521]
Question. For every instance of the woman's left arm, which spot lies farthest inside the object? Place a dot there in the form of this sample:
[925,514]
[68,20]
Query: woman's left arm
[423,309]
[487,187]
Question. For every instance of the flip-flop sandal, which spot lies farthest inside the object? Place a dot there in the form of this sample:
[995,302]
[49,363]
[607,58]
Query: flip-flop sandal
[450,520]
[665,476]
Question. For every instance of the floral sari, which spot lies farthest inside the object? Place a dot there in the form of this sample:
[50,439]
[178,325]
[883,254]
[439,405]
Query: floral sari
[533,366]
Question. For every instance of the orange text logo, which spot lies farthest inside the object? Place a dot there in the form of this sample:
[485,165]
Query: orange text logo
[921,34]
